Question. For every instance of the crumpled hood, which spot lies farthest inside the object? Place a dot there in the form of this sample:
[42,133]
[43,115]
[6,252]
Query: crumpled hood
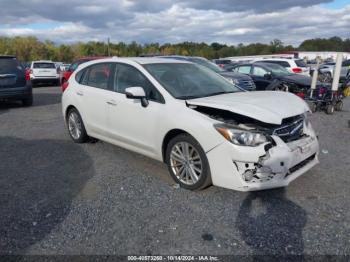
[265,106]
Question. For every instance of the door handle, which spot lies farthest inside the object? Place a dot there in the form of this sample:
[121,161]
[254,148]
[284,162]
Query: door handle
[112,103]
[80,93]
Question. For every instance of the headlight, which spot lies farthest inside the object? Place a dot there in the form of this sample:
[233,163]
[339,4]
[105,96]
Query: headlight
[232,80]
[241,137]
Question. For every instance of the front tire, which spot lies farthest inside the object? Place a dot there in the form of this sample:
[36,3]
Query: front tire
[339,106]
[76,127]
[28,101]
[187,163]
[330,109]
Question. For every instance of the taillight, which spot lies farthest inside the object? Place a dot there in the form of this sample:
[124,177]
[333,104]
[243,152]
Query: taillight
[297,70]
[26,74]
[64,86]
[301,95]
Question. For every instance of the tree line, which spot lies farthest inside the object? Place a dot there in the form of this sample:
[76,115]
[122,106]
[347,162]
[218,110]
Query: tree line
[30,48]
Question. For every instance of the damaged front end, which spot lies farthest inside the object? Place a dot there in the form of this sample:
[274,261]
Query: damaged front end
[272,156]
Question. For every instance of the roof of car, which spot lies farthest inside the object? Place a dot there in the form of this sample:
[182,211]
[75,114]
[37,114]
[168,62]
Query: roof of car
[43,61]
[7,56]
[148,60]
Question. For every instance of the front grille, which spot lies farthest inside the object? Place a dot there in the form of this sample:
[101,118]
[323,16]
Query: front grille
[301,164]
[247,84]
[291,131]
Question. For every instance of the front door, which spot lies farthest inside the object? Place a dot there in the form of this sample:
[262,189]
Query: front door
[129,123]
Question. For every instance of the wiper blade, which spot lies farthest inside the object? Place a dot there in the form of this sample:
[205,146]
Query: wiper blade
[219,93]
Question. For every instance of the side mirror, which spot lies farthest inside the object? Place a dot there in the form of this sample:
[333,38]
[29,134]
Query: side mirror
[137,93]
[268,76]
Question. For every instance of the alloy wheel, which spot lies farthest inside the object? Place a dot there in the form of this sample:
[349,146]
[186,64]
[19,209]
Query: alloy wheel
[186,163]
[74,125]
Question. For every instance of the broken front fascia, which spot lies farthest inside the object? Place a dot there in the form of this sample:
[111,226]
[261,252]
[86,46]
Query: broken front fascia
[272,164]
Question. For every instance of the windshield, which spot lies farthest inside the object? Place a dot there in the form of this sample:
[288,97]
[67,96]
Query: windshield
[277,69]
[186,81]
[207,64]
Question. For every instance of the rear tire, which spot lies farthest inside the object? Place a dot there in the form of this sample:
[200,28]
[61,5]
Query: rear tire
[187,163]
[28,101]
[339,106]
[313,107]
[330,109]
[76,128]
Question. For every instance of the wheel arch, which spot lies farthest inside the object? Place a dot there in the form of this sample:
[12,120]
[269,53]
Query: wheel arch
[170,135]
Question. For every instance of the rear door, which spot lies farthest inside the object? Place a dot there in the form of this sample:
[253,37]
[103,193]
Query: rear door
[44,69]
[12,74]
[92,95]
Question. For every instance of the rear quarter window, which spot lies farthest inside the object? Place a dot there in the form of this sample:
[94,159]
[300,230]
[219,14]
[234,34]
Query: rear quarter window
[300,63]
[44,65]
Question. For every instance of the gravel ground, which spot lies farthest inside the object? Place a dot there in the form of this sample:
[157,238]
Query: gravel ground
[57,197]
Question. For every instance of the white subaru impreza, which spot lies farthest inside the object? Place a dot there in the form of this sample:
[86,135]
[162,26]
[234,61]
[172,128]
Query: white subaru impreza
[202,126]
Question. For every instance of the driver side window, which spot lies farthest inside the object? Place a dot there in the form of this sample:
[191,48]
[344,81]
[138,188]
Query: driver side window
[128,76]
[243,69]
[259,71]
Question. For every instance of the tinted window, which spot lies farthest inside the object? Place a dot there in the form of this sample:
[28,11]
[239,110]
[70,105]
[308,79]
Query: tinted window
[128,76]
[346,63]
[259,71]
[300,63]
[44,65]
[244,69]
[281,63]
[98,75]
[9,64]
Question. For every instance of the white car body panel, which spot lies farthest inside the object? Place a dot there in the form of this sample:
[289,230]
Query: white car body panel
[260,105]
[43,73]
[124,122]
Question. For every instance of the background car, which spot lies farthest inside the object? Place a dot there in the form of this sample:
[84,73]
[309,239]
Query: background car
[44,72]
[14,83]
[266,74]
[222,62]
[241,80]
[328,69]
[67,73]
[296,66]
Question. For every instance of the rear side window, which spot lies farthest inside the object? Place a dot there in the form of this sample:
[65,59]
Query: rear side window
[44,65]
[281,63]
[243,69]
[300,63]
[97,75]
[9,64]
[259,71]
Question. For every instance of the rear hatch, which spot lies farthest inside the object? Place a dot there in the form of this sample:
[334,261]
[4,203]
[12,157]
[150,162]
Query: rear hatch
[12,74]
[304,68]
[44,69]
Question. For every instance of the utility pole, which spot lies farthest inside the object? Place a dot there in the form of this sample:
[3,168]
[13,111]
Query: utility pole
[108,47]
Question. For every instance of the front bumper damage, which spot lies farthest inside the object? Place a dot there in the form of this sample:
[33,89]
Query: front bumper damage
[262,167]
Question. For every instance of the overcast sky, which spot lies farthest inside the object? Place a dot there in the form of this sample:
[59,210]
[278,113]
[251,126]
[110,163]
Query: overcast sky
[165,21]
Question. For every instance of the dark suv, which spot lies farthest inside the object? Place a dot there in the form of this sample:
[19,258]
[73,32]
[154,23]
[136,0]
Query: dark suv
[14,82]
